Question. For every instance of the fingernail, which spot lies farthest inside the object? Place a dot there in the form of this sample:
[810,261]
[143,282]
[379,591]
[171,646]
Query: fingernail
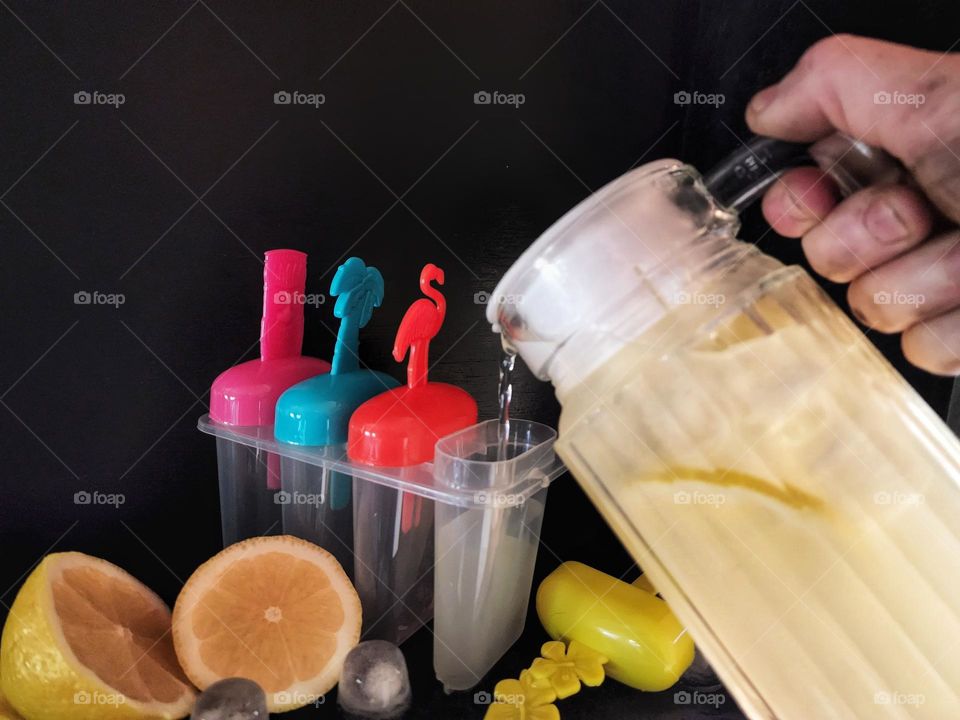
[884,223]
[762,99]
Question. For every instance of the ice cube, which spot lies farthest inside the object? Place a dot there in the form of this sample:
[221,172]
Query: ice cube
[374,683]
[231,699]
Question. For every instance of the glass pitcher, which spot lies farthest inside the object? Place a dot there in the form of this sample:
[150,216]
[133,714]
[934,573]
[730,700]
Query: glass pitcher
[788,493]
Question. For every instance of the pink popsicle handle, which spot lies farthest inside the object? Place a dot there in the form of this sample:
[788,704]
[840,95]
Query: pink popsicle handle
[284,281]
[273,472]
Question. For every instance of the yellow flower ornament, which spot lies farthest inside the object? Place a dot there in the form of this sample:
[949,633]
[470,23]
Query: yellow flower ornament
[566,668]
[556,675]
[525,699]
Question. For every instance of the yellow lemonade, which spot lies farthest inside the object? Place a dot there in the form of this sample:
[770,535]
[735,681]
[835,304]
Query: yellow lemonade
[791,497]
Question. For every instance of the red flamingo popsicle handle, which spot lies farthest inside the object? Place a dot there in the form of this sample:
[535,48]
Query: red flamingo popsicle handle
[420,324]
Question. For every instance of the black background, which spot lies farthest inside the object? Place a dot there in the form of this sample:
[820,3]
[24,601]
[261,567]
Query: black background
[172,199]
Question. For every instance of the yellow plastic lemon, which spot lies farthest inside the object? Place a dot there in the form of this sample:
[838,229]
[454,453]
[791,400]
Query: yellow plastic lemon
[646,646]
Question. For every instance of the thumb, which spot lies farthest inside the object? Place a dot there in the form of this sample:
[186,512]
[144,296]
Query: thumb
[898,98]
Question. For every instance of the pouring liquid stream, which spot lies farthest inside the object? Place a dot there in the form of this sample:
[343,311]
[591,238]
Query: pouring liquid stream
[508,360]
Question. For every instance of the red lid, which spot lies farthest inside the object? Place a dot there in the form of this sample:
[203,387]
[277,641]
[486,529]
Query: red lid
[402,426]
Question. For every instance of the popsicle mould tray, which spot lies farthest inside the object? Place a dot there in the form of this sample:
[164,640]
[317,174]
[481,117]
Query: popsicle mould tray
[462,473]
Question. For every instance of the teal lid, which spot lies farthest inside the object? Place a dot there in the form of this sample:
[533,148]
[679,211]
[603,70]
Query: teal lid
[317,411]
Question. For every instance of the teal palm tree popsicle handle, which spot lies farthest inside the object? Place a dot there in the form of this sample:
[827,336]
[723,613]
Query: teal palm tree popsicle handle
[358,289]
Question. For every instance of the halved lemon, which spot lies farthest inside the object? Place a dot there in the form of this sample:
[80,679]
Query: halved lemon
[277,610]
[6,710]
[84,640]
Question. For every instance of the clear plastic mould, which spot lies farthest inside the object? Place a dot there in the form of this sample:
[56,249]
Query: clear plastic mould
[480,504]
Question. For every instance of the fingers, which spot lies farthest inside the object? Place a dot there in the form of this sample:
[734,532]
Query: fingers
[901,99]
[934,344]
[917,286]
[905,101]
[799,200]
[840,83]
[866,230]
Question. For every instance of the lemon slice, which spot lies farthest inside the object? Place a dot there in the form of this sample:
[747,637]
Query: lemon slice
[84,640]
[277,610]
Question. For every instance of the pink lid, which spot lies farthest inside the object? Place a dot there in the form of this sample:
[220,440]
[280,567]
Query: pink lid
[246,394]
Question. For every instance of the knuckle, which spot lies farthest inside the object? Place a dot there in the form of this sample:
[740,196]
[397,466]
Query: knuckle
[903,204]
[827,52]
[934,90]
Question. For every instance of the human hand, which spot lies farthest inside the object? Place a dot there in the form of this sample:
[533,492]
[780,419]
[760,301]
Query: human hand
[897,246]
